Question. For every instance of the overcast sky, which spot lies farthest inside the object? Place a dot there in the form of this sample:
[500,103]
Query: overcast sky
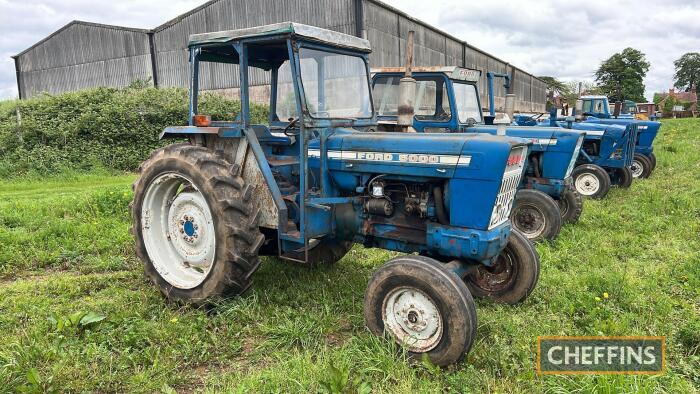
[565,39]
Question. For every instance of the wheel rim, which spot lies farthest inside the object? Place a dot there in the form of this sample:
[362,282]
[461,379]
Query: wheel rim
[178,230]
[637,168]
[530,220]
[587,184]
[498,277]
[413,318]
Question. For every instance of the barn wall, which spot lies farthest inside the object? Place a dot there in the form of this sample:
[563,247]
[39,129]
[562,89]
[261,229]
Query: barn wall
[86,55]
[82,56]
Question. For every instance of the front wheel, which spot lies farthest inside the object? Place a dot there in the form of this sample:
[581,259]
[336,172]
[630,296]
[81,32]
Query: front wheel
[536,215]
[622,177]
[424,307]
[641,166]
[512,277]
[591,180]
[571,206]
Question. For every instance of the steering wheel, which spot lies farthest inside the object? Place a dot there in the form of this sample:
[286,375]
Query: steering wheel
[292,122]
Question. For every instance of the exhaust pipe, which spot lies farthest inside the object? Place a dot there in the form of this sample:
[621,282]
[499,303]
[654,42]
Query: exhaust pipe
[510,105]
[407,91]
[578,108]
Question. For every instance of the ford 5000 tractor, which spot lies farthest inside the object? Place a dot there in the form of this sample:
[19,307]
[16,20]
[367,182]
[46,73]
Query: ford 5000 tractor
[447,100]
[605,158]
[596,109]
[318,178]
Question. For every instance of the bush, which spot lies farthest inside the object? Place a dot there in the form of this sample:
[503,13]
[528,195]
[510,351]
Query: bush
[104,127]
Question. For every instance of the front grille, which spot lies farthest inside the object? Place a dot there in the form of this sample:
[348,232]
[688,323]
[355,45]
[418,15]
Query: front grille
[509,186]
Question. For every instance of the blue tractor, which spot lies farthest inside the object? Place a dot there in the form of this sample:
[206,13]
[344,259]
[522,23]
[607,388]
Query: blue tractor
[605,158]
[596,109]
[318,178]
[447,100]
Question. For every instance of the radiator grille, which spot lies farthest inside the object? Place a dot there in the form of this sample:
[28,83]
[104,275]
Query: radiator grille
[509,186]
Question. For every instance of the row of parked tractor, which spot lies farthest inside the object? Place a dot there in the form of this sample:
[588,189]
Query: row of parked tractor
[401,159]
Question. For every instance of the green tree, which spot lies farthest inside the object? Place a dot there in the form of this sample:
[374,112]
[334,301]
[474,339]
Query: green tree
[554,87]
[687,71]
[621,77]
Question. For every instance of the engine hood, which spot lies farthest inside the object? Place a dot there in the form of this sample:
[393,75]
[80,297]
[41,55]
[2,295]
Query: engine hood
[543,138]
[419,155]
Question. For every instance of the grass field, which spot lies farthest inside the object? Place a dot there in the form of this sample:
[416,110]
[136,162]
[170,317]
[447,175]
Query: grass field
[76,313]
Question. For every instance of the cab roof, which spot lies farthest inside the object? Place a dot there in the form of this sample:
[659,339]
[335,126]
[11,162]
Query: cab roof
[312,33]
[452,72]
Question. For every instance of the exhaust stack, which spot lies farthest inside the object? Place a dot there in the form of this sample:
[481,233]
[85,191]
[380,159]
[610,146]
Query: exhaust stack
[407,91]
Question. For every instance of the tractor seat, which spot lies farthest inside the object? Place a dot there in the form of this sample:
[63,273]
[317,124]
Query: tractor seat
[264,135]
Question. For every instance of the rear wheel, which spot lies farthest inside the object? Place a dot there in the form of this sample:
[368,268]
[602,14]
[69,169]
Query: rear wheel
[652,158]
[571,206]
[512,277]
[591,180]
[424,307]
[536,215]
[641,166]
[195,224]
[622,177]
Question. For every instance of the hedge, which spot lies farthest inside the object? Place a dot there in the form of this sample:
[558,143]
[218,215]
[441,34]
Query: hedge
[98,128]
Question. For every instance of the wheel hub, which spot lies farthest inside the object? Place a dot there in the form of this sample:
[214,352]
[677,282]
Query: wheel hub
[498,276]
[637,168]
[530,220]
[178,231]
[413,319]
[587,184]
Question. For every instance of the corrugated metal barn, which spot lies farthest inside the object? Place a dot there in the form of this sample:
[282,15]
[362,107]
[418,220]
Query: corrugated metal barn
[82,55]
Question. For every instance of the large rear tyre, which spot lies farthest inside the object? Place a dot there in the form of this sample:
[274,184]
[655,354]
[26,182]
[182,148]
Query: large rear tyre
[195,224]
[512,278]
[641,166]
[591,180]
[621,177]
[571,206]
[536,215]
[424,307]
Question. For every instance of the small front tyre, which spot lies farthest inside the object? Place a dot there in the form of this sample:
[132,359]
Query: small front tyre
[571,206]
[652,158]
[424,307]
[641,166]
[622,177]
[536,215]
[591,180]
[512,277]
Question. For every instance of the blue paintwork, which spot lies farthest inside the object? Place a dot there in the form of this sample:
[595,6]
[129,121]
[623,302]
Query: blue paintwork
[647,130]
[556,161]
[331,188]
[616,143]
[188,227]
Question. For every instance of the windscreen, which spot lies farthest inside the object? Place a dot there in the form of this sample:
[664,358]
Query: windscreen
[467,102]
[431,102]
[336,85]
